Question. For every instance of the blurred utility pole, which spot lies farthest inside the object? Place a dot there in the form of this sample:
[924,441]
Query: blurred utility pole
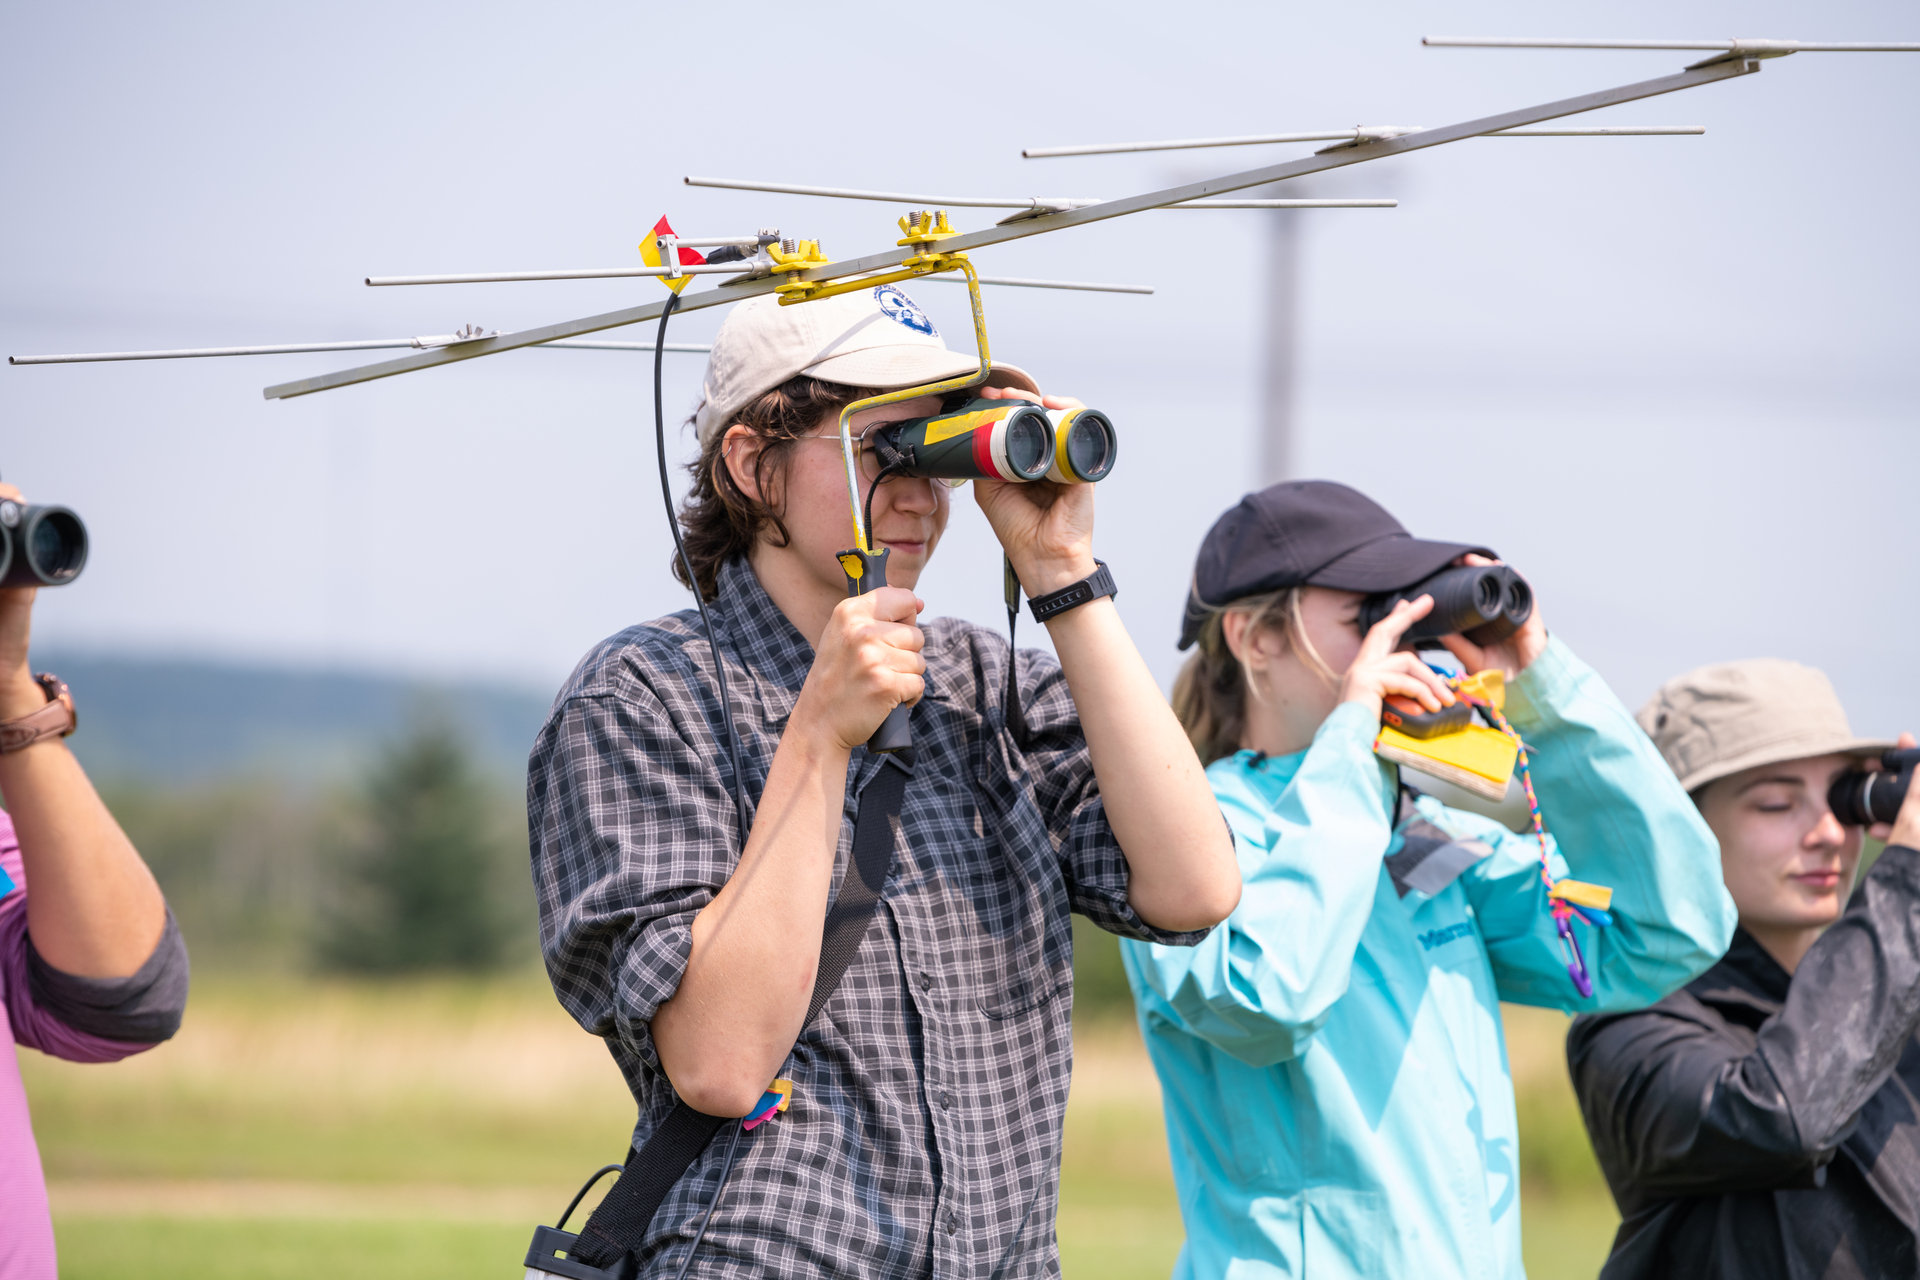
[1280,370]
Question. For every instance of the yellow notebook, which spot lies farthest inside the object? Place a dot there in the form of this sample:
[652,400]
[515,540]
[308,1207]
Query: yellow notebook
[1476,758]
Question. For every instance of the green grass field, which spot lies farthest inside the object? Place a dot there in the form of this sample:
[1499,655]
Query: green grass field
[298,1129]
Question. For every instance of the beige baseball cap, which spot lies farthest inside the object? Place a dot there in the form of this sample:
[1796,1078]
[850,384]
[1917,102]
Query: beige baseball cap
[878,338]
[1715,721]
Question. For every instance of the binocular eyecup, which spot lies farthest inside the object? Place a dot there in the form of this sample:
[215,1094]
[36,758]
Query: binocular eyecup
[1860,798]
[40,546]
[1012,440]
[1484,603]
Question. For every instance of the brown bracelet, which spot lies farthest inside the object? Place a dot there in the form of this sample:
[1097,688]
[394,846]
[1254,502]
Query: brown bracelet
[55,720]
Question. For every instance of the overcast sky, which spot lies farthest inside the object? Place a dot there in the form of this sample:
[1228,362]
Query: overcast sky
[1671,379]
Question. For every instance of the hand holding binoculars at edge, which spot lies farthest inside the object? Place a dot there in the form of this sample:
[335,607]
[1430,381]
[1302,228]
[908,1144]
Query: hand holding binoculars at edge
[1905,827]
[867,663]
[1379,668]
[19,695]
[1045,528]
[1512,655]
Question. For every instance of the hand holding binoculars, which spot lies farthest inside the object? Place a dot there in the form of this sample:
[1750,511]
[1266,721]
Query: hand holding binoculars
[1484,603]
[40,546]
[1861,798]
[1013,440]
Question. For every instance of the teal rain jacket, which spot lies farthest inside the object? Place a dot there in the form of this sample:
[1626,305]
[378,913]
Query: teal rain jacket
[1331,1058]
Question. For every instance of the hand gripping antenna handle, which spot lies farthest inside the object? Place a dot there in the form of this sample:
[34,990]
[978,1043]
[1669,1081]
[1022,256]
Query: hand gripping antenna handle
[867,571]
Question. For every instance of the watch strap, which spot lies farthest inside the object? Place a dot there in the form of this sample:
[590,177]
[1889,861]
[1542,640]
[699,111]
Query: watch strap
[55,720]
[1090,588]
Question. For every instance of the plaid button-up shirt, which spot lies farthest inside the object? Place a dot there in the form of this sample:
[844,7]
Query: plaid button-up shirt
[924,1134]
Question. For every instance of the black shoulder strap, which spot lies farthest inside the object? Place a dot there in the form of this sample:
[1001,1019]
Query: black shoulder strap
[619,1225]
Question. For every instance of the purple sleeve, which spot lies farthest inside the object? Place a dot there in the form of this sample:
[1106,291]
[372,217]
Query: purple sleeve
[33,1026]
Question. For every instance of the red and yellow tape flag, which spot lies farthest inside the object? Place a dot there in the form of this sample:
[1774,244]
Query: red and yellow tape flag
[650,254]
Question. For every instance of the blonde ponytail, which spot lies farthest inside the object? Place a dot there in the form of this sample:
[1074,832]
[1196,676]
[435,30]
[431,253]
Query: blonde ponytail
[1210,694]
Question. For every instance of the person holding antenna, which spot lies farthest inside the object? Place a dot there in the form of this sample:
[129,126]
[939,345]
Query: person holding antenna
[924,1098]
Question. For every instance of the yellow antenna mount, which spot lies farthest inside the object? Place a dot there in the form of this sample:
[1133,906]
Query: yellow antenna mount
[790,257]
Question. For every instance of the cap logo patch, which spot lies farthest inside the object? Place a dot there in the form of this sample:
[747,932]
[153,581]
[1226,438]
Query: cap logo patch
[900,308]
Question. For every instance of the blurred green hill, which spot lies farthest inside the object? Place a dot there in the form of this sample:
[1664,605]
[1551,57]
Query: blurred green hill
[183,720]
[296,818]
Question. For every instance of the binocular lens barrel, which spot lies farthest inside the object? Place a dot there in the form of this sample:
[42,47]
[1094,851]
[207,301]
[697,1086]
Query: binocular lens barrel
[1519,606]
[1026,446]
[1084,446]
[1006,440]
[1860,799]
[1484,603]
[984,439]
[40,546]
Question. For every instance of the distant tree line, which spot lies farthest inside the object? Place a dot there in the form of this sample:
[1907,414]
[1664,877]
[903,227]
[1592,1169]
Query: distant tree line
[418,866]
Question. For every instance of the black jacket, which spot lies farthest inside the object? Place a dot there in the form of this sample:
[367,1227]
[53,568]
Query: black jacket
[1749,1127]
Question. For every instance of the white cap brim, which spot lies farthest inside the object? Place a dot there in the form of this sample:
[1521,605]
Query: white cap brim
[875,339]
[891,368]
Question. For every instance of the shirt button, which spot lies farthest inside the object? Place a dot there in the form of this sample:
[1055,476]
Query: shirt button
[953,1223]
[946,1100]
[926,982]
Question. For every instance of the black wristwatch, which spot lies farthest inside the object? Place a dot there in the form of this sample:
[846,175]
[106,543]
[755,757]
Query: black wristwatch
[1095,585]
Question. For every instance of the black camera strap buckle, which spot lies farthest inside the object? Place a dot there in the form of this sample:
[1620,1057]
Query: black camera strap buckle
[551,1254]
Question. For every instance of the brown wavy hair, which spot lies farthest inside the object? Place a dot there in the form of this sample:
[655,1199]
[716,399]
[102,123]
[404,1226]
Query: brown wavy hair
[1210,693]
[719,521]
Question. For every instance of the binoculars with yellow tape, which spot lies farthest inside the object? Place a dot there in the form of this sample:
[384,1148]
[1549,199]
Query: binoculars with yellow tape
[40,546]
[1013,440]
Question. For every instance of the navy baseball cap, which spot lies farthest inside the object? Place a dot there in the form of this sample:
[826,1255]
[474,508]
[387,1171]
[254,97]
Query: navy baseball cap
[1307,533]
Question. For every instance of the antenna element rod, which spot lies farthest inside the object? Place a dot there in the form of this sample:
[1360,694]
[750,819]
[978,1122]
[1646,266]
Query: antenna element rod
[1187,144]
[292,348]
[586,273]
[1046,284]
[1775,47]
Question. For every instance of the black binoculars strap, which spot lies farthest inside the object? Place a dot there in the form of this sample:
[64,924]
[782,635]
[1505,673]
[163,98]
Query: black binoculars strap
[619,1225]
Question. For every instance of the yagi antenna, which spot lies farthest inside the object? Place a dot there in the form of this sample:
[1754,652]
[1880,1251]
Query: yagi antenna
[1029,206]
[798,270]
[1044,222]
[1357,136]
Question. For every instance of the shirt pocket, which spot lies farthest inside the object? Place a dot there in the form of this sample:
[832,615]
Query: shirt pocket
[1011,877]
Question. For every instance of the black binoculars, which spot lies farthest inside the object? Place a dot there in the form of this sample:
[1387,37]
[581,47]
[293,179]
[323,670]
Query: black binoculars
[1484,603]
[1002,440]
[1859,798]
[40,546]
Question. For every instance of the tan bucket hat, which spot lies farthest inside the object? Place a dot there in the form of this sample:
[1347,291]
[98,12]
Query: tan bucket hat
[1717,720]
[878,338]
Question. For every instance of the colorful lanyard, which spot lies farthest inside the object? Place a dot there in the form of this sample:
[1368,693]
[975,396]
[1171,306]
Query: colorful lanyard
[1567,898]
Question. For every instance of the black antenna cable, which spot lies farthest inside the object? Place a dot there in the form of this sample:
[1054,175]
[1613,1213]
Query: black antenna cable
[726,709]
[699,597]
